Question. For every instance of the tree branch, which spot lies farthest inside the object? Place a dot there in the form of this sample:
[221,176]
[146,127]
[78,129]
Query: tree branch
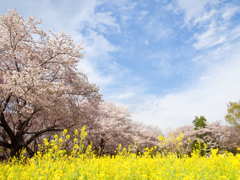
[36,134]
[25,124]
[6,102]
[4,124]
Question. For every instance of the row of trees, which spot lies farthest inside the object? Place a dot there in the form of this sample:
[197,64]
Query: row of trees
[205,136]
[213,134]
[42,92]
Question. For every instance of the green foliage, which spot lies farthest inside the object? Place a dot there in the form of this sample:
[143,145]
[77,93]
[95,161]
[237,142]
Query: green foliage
[201,147]
[199,122]
[233,116]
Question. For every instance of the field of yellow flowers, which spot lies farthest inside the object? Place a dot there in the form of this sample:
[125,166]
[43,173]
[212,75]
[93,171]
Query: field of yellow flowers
[53,163]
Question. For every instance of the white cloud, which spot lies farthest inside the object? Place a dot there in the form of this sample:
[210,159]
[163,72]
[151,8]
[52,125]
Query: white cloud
[163,61]
[229,12]
[235,33]
[158,29]
[209,38]
[125,18]
[142,14]
[96,46]
[129,6]
[71,16]
[216,34]
[212,21]
[169,7]
[209,10]
[146,42]
[205,17]
[125,95]
[193,8]
[102,21]
[93,73]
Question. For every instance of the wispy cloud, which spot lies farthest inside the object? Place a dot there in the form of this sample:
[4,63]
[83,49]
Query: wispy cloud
[129,5]
[229,12]
[211,18]
[209,38]
[142,14]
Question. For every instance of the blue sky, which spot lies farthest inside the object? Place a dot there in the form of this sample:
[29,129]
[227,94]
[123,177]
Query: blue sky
[168,60]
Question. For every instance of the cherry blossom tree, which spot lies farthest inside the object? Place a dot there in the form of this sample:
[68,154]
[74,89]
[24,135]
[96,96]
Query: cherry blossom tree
[107,126]
[145,136]
[41,89]
[110,125]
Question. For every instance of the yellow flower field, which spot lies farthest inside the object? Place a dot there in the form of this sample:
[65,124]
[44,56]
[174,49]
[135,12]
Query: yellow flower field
[55,164]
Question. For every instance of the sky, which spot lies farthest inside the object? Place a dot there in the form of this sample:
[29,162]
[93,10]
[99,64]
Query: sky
[167,60]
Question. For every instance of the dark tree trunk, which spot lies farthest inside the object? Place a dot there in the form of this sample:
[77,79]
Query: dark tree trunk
[102,146]
[15,149]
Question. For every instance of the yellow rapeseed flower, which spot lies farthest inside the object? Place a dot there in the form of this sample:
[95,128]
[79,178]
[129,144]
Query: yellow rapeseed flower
[54,164]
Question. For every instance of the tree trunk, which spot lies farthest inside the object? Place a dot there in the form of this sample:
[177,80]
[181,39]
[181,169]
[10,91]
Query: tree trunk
[15,149]
[102,146]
